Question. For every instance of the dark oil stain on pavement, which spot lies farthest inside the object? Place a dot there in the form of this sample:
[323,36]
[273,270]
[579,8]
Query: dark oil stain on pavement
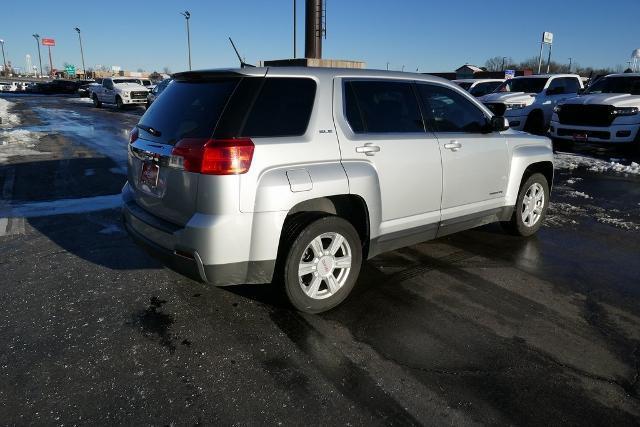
[152,322]
[351,380]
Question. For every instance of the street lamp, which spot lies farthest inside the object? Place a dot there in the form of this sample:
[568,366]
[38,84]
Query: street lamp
[187,15]
[570,63]
[37,37]
[81,53]
[503,58]
[4,70]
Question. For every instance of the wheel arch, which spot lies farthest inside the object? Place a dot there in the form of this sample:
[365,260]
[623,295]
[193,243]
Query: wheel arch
[527,160]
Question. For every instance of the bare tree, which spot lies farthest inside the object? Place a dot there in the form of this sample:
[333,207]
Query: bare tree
[498,62]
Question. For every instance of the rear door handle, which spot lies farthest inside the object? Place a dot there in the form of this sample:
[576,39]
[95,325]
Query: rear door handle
[453,146]
[369,149]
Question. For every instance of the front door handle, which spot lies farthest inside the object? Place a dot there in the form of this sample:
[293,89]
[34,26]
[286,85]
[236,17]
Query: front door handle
[453,146]
[369,149]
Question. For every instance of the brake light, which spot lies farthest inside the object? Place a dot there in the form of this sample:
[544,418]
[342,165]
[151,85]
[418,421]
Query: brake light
[213,156]
[133,135]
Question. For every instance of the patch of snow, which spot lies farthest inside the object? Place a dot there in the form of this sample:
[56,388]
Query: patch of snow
[574,161]
[579,194]
[7,119]
[60,207]
[618,223]
[17,142]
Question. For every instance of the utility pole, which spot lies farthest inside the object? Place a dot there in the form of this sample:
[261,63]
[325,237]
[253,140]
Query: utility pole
[37,37]
[503,58]
[549,59]
[187,16]
[50,62]
[81,52]
[4,70]
[294,29]
[570,61]
[387,66]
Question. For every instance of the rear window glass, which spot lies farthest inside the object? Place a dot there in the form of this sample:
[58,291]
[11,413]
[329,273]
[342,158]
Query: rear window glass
[382,107]
[186,110]
[283,108]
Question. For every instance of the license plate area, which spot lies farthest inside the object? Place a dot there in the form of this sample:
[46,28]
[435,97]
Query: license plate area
[149,176]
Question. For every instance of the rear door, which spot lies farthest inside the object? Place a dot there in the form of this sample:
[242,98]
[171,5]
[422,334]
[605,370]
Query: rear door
[379,123]
[188,111]
[474,161]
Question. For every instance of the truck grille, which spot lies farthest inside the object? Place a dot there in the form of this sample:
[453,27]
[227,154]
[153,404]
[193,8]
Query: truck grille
[590,133]
[496,108]
[586,115]
[138,95]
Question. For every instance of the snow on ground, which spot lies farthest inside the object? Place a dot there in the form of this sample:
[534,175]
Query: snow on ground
[7,119]
[17,142]
[574,161]
[63,206]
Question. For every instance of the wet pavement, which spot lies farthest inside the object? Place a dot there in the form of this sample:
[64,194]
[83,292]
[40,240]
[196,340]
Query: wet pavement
[475,328]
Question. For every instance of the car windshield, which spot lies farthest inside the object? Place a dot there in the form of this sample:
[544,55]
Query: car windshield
[526,85]
[627,84]
[121,81]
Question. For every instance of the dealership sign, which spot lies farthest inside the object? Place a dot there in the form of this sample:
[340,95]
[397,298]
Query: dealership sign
[48,42]
[547,37]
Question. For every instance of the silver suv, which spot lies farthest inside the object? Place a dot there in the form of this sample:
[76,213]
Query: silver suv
[296,175]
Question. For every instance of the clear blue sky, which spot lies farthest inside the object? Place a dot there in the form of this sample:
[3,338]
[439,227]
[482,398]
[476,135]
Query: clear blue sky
[429,35]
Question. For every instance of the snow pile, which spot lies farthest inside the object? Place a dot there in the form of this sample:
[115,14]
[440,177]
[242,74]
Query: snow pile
[578,194]
[575,161]
[617,222]
[17,142]
[7,119]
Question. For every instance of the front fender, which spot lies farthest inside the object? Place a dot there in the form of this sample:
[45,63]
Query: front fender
[522,157]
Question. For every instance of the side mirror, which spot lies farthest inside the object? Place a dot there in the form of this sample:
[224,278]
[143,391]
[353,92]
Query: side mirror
[499,124]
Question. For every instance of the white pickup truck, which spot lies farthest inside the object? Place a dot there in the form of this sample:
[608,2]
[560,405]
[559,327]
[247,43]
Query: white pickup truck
[608,112]
[528,101]
[120,91]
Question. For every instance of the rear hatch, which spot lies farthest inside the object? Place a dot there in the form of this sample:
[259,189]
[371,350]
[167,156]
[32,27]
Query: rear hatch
[187,113]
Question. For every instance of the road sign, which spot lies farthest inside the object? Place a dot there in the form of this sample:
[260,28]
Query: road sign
[547,38]
[70,70]
[48,42]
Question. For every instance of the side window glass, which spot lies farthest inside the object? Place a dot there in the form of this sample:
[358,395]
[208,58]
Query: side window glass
[572,85]
[383,107]
[449,111]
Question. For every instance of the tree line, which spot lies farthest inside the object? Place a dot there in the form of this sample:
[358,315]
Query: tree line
[496,64]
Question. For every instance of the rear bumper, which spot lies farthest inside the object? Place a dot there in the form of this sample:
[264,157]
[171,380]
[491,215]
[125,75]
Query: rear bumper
[173,246]
[615,134]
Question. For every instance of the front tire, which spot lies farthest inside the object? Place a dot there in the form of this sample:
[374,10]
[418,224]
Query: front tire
[322,264]
[96,101]
[531,207]
[119,103]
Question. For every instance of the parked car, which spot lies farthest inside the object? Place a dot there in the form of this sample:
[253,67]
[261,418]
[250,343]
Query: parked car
[296,175]
[55,87]
[120,91]
[7,86]
[156,91]
[479,87]
[608,112]
[528,101]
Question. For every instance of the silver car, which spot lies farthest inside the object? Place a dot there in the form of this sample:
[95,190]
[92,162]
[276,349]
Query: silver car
[297,175]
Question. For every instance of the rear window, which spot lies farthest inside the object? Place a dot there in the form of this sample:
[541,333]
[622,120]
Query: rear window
[283,108]
[187,109]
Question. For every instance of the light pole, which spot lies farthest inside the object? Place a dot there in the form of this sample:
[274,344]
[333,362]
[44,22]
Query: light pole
[570,60]
[4,70]
[187,15]
[503,58]
[294,29]
[81,53]
[37,37]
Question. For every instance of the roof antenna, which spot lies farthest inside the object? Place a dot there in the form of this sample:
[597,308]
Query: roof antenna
[242,63]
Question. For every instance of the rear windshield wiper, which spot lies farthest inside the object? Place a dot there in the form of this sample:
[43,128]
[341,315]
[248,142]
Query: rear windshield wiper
[151,130]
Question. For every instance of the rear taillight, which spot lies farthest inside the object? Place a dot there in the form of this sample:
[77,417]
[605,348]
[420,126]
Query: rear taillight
[133,135]
[213,156]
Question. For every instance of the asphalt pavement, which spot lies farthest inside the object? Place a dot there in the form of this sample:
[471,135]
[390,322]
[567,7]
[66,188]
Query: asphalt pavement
[475,328]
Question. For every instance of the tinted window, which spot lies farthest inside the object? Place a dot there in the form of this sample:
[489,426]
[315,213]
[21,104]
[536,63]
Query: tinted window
[187,109]
[630,85]
[484,88]
[449,111]
[384,107]
[283,108]
[464,85]
[570,84]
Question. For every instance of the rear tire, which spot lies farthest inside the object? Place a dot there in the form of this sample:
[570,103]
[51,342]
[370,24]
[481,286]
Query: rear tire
[96,101]
[531,207]
[322,263]
[535,123]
